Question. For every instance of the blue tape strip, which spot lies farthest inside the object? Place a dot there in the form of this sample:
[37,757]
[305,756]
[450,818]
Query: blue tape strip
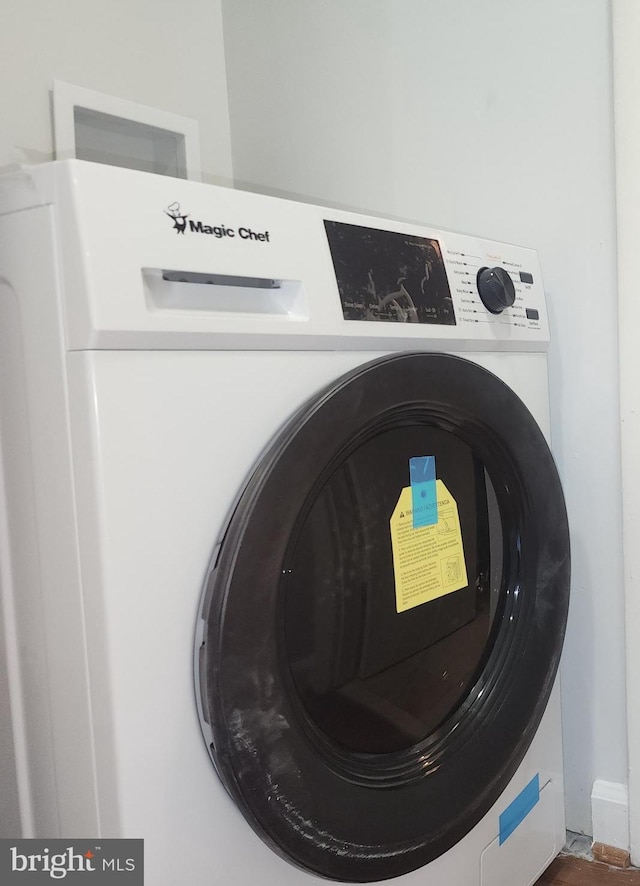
[518,810]
[424,500]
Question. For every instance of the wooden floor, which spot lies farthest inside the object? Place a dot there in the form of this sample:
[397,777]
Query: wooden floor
[571,871]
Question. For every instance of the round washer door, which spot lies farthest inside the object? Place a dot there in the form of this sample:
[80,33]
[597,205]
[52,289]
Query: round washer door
[370,682]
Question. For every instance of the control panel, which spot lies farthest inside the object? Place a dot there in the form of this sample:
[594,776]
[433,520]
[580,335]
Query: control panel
[436,279]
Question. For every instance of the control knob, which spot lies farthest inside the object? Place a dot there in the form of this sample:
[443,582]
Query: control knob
[496,289]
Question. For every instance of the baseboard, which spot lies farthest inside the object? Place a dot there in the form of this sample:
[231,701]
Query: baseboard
[610,817]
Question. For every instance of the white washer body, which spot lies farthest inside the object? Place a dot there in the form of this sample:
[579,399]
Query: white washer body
[132,411]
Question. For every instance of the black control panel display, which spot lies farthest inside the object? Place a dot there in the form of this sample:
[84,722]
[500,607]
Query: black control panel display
[389,277]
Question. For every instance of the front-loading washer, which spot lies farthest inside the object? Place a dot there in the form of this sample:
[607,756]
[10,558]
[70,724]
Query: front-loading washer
[315,442]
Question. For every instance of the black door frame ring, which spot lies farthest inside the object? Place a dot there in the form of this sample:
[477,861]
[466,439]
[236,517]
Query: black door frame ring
[362,817]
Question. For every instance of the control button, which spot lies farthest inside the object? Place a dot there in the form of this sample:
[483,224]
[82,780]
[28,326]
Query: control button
[526,277]
[533,314]
[496,289]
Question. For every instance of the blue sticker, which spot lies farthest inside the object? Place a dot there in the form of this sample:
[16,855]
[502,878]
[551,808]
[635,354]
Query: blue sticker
[424,499]
[518,810]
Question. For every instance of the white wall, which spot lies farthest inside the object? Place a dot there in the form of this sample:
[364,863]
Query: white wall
[627,118]
[163,53]
[492,117]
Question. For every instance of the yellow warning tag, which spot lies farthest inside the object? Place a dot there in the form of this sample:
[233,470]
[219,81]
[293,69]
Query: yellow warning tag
[428,562]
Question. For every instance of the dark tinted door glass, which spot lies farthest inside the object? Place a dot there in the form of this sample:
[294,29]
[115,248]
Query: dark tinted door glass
[374,679]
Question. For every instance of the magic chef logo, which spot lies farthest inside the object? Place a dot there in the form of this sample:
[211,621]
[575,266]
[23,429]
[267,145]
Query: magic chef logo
[182,223]
[46,860]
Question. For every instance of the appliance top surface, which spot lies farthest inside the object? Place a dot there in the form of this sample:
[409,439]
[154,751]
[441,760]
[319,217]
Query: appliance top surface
[152,261]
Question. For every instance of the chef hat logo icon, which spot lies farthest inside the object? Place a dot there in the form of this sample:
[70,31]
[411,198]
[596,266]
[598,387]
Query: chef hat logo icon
[178,217]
